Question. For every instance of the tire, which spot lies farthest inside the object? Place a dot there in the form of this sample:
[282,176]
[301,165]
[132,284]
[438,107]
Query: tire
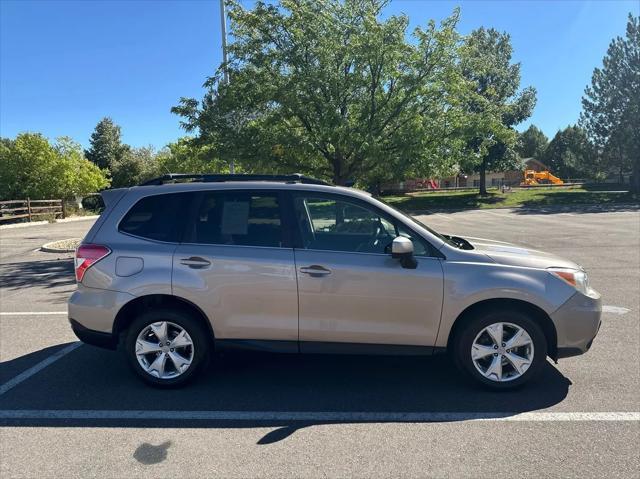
[143,335]
[476,355]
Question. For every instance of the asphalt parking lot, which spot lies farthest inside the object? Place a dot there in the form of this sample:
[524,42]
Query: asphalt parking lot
[71,410]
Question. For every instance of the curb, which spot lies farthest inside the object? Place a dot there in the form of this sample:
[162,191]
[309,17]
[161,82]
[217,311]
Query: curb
[47,248]
[77,218]
[583,208]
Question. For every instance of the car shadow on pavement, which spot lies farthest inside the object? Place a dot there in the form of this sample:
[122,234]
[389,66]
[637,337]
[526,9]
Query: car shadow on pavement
[92,379]
[42,273]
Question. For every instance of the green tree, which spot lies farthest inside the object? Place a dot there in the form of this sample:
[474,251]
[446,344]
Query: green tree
[30,167]
[611,104]
[105,144]
[334,88]
[570,155]
[532,143]
[78,175]
[187,156]
[495,105]
[134,166]
[7,169]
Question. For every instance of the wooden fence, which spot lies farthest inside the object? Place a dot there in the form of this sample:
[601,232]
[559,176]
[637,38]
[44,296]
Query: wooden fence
[29,209]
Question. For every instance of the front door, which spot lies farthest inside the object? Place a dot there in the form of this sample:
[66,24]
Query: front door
[350,289]
[236,265]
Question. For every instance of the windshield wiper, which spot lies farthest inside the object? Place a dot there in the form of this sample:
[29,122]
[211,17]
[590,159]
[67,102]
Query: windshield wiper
[458,242]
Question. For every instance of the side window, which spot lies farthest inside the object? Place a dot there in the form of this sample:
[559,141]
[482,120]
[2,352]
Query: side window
[157,217]
[239,218]
[420,247]
[341,225]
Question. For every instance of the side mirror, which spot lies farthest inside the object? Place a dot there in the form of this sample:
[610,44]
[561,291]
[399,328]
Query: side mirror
[402,249]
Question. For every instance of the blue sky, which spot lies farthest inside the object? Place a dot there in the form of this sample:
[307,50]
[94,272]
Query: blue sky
[66,64]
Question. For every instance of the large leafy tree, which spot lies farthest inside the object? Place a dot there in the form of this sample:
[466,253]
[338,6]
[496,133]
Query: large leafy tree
[78,176]
[495,104]
[570,154]
[532,143]
[331,88]
[188,156]
[106,144]
[611,104]
[133,166]
[30,167]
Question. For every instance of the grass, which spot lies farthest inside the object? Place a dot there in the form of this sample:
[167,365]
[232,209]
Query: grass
[517,198]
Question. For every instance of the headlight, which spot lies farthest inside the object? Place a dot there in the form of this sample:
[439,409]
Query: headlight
[576,278]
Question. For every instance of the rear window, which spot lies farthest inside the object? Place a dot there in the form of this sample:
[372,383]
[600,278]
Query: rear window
[239,218]
[158,217]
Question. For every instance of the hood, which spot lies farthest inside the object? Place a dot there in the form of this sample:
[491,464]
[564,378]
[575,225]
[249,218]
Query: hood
[513,255]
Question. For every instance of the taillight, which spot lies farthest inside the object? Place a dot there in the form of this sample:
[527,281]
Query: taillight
[86,256]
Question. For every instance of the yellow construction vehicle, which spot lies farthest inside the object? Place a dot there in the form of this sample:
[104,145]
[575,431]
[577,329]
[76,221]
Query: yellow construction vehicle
[534,178]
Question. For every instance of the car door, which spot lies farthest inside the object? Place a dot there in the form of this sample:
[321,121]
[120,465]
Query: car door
[350,289]
[237,265]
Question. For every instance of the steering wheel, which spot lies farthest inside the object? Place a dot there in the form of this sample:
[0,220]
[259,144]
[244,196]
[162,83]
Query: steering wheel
[374,243]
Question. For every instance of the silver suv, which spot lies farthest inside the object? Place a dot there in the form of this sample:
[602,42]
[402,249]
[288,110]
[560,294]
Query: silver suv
[187,263]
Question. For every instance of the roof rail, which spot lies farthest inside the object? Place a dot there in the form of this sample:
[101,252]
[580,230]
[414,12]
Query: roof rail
[214,178]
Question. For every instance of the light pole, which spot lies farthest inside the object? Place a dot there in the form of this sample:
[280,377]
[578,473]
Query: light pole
[225,73]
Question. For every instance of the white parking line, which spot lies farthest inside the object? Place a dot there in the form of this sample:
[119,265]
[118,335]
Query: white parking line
[615,309]
[23,376]
[427,217]
[443,216]
[32,313]
[324,416]
[493,213]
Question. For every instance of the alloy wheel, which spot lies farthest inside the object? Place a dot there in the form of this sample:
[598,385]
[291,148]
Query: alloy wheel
[502,352]
[164,350]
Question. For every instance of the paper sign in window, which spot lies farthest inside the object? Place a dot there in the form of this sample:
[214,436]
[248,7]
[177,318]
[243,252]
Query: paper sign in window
[235,218]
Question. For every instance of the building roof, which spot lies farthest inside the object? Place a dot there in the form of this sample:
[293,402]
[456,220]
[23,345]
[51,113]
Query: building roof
[533,162]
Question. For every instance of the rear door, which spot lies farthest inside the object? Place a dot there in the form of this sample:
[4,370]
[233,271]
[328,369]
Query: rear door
[236,263]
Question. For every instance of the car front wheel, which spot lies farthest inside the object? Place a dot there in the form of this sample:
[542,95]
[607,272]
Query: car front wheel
[166,348]
[501,350]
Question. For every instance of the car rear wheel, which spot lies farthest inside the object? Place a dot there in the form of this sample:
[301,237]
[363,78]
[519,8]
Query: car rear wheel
[501,350]
[166,348]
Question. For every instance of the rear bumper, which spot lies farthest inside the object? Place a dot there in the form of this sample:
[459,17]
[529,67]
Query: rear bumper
[92,313]
[577,323]
[96,309]
[95,338]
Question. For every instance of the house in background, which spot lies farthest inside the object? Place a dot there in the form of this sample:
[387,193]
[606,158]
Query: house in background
[494,179]
[535,165]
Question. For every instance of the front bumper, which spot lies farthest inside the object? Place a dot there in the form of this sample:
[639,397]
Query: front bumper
[577,322]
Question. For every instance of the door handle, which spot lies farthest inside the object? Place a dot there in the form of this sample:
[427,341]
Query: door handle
[195,262]
[315,270]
